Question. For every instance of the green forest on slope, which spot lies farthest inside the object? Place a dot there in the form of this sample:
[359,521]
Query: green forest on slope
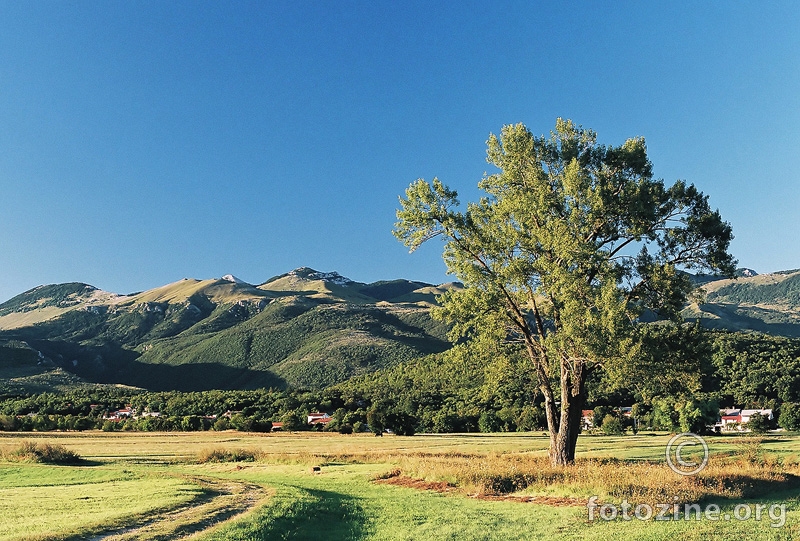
[196,335]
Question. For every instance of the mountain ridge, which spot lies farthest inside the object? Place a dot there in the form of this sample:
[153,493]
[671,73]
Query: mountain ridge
[303,328]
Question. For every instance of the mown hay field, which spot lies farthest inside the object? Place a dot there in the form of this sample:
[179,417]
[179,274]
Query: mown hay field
[229,485]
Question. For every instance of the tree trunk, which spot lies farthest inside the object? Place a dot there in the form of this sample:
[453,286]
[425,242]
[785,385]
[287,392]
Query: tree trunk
[564,437]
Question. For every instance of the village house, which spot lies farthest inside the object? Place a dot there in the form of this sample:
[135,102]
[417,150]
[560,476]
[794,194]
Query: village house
[731,419]
[121,414]
[587,416]
[587,419]
[318,418]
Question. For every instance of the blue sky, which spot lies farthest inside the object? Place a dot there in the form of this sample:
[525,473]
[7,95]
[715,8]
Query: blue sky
[145,142]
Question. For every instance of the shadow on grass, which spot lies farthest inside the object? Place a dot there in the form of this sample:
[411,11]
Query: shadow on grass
[750,487]
[84,463]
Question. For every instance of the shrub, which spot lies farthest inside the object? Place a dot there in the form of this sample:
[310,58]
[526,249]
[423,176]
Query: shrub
[376,420]
[612,426]
[44,453]
[226,455]
[8,423]
[531,418]
[293,420]
[750,449]
[599,414]
[261,425]
[191,423]
[222,423]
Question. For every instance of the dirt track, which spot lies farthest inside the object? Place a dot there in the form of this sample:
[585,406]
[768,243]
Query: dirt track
[223,500]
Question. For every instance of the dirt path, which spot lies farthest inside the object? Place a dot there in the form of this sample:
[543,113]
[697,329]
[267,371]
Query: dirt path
[226,499]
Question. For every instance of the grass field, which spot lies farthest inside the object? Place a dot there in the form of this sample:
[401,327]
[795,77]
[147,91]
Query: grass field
[155,486]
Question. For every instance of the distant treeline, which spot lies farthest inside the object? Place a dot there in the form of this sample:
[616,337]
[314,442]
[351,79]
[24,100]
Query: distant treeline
[697,373]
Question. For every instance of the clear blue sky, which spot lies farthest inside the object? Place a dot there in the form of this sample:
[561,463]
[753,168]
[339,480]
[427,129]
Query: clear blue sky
[145,142]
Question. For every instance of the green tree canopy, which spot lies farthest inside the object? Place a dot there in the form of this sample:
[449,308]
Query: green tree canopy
[571,243]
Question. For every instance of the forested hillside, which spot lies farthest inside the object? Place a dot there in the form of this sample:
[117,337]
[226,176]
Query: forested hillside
[300,329]
[767,303]
[307,329]
[450,392]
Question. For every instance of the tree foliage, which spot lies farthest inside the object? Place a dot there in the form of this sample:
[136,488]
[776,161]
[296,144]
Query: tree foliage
[756,369]
[790,416]
[571,243]
[758,424]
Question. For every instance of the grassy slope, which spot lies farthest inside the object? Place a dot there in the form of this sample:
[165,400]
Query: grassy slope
[216,334]
[425,295]
[768,303]
[306,283]
[775,290]
[218,291]
[45,303]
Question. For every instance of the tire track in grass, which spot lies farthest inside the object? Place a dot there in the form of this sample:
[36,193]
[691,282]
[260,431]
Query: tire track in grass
[225,499]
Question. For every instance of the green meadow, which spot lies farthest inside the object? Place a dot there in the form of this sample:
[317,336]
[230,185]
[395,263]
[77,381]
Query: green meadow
[233,486]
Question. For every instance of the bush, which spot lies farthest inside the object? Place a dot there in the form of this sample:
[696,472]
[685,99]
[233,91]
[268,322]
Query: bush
[226,455]
[531,418]
[191,423]
[222,423]
[612,426]
[293,420]
[599,415]
[260,425]
[401,423]
[696,415]
[376,420]
[8,423]
[44,453]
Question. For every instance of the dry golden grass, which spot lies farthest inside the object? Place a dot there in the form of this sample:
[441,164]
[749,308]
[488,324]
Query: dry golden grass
[44,453]
[746,470]
[612,480]
[225,454]
[475,464]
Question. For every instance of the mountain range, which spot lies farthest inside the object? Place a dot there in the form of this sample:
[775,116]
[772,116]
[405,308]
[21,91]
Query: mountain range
[304,328]
[768,303]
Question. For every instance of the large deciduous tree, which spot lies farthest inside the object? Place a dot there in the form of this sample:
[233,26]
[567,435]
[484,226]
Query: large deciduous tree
[572,242]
